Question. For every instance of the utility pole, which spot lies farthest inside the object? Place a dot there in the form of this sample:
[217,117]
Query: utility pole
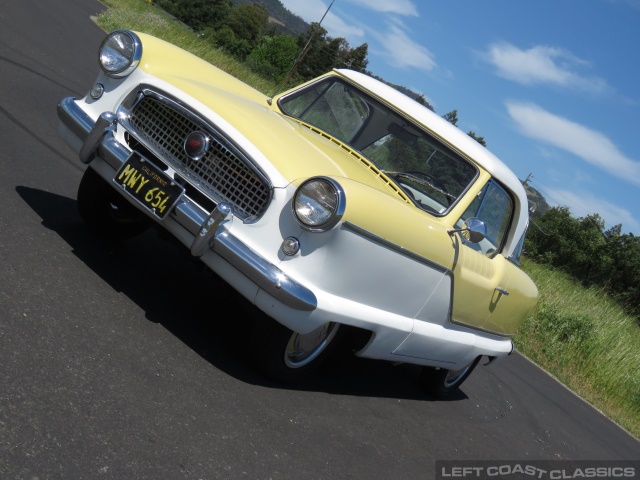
[303,53]
[532,205]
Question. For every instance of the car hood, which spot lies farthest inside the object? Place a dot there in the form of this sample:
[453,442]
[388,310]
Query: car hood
[284,148]
[295,149]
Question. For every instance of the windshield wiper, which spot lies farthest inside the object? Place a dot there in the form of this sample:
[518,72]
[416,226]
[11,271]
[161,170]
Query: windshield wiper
[422,179]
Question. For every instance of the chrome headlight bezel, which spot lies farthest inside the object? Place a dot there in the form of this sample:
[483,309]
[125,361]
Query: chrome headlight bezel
[318,204]
[120,53]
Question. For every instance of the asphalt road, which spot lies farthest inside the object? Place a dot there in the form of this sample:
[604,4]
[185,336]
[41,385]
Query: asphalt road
[117,361]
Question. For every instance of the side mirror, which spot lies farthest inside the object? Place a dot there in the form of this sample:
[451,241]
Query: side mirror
[473,230]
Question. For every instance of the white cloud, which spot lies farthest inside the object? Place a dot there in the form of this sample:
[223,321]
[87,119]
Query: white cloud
[582,204]
[394,44]
[337,28]
[630,3]
[313,11]
[541,65]
[398,7]
[403,52]
[589,145]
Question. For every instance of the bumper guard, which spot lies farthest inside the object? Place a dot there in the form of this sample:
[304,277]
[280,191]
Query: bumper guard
[98,140]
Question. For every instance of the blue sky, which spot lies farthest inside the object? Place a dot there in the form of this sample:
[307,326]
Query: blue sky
[553,86]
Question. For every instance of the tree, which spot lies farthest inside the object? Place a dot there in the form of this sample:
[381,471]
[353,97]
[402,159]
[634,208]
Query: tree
[197,14]
[358,58]
[353,58]
[248,21]
[590,257]
[546,242]
[451,117]
[477,138]
[581,248]
[622,278]
[576,245]
[274,57]
[321,53]
[241,30]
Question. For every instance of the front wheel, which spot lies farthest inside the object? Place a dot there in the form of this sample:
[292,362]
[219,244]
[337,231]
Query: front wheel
[443,383]
[286,356]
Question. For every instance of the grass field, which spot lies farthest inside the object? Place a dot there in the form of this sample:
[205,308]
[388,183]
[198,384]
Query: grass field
[586,341]
[578,335]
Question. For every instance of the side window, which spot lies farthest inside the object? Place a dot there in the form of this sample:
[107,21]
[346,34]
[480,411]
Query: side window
[494,206]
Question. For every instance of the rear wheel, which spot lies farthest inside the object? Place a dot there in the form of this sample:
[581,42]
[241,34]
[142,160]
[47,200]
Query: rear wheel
[443,383]
[286,356]
[105,211]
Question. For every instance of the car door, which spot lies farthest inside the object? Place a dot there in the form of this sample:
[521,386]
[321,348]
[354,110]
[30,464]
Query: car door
[481,274]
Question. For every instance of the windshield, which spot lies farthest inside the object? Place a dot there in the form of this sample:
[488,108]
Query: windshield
[432,175]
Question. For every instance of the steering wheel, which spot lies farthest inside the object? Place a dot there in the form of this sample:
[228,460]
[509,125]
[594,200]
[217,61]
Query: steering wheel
[432,181]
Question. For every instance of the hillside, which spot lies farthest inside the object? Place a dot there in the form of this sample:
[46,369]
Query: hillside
[538,206]
[288,22]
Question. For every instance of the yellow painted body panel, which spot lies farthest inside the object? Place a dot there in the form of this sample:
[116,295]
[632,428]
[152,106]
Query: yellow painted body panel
[512,310]
[393,220]
[295,150]
[373,202]
[167,61]
[477,301]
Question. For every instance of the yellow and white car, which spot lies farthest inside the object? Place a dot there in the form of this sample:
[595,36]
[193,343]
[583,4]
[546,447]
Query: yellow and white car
[338,206]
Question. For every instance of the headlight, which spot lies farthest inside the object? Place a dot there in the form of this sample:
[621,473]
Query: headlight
[318,204]
[120,53]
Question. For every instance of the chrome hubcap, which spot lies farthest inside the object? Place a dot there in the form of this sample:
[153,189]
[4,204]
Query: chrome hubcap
[454,376]
[303,349]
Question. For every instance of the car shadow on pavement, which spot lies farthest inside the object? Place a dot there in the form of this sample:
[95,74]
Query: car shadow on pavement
[200,309]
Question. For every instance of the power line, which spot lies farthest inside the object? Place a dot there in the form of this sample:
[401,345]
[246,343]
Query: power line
[546,192]
[574,205]
[558,193]
[304,51]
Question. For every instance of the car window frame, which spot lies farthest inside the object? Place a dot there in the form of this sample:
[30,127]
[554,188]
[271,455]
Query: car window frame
[499,248]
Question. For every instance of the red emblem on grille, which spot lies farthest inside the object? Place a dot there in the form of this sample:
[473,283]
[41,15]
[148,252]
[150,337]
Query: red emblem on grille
[196,145]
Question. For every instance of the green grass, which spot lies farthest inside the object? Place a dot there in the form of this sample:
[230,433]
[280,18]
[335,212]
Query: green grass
[140,16]
[587,341]
[578,335]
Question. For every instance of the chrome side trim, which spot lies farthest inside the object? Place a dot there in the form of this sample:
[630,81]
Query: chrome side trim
[403,251]
[263,273]
[414,256]
[397,248]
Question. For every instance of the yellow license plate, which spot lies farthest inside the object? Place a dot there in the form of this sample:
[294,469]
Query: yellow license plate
[149,185]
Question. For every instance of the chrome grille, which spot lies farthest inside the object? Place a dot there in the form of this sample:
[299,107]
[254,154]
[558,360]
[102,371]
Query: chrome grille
[223,174]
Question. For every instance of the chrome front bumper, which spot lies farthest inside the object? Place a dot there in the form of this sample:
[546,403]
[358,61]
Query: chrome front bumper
[98,140]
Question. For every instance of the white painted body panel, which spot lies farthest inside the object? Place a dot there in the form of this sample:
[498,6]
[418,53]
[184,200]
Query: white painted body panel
[403,299]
